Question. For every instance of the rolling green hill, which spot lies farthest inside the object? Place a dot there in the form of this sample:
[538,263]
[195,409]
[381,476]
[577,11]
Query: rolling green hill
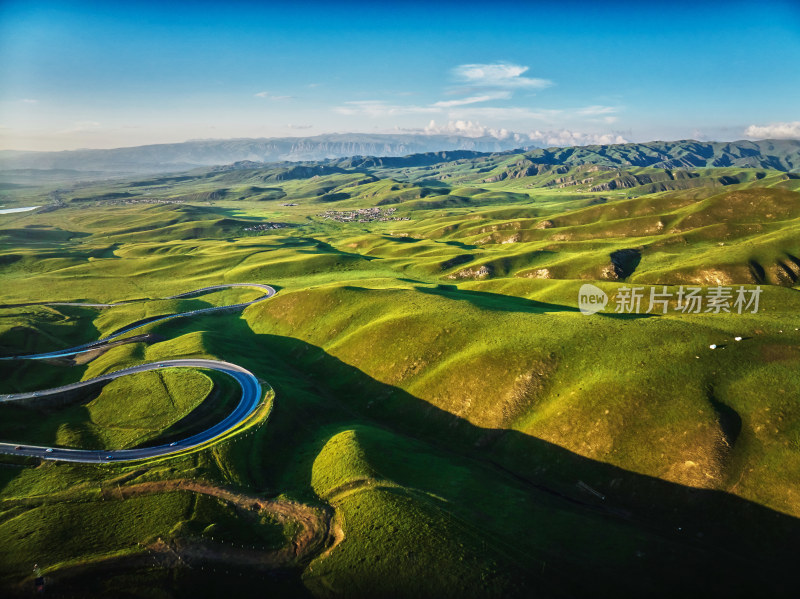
[444,419]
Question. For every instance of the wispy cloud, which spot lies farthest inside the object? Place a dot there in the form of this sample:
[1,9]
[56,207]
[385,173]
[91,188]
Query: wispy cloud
[597,110]
[501,74]
[292,126]
[270,96]
[790,130]
[29,101]
[599,113]
[502,95]
[377,108]
[486,86]
[487,82]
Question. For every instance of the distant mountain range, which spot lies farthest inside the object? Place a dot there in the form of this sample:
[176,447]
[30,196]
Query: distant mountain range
[399,150]
[192,154]
[781,155]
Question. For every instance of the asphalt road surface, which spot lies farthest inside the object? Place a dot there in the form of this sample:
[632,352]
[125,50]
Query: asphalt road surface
[249,401]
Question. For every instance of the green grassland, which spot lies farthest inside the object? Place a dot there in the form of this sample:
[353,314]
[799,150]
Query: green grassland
[439,400]
[111,420]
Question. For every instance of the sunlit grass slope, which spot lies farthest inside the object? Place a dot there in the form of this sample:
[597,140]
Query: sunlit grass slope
[441,407]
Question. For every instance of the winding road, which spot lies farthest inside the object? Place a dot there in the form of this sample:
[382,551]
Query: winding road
[249,384]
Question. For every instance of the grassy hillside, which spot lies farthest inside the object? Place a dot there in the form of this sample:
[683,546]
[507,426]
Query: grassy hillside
[444,419]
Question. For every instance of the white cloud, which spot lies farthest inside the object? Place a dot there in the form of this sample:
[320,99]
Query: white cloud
[597,110]
[467,129]
[498,75]
[487,82]
[774,131]
[566,137]
[29,101]
[270,96]
[291,126]
[377,108]
[559,137]
[502,95]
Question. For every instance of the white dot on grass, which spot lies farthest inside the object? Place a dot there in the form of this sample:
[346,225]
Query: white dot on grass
[737,338]
[712,346]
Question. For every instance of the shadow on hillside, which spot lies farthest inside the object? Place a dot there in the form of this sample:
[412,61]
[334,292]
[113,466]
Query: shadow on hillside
[625,262]
[625,315]
[25,375]
[706,541]
[495,301]
[692,539]
[487,300]
[459,244]
[432,183]
[666,538]
[401,239]
[315,246]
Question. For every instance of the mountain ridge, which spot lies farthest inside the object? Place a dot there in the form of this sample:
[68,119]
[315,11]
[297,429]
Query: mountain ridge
[155,158]
[402,151]
[782,155]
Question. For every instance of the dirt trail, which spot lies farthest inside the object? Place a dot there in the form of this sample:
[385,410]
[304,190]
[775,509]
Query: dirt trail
[316,534]
[314,531]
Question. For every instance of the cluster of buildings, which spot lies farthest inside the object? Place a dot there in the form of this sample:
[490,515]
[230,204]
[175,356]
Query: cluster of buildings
[130,201]
[363,215]
[267,226]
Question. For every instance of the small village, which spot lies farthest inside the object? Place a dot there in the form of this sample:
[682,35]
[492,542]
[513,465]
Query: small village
[139,200]
[267,226]
[363,215]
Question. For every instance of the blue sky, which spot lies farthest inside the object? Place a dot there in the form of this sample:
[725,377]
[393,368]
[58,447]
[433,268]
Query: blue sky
[78,74]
